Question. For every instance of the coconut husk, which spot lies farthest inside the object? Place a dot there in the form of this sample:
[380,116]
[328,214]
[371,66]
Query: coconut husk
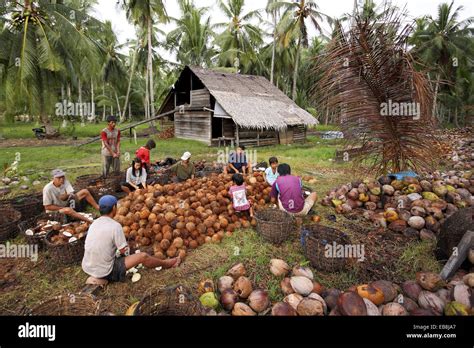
[452,231]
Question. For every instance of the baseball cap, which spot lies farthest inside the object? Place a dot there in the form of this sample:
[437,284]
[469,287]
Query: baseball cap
[186,156]
[106,203]
[57,173]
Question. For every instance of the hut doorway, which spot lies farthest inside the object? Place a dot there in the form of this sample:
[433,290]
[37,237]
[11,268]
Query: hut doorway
[217,127]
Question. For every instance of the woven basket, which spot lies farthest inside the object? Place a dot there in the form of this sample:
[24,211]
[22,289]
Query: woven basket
[84,181]
[275,226]
[68,305]
[9,219]
[65,253]
[314,239]
[172,301]
[31,223]
[28,206]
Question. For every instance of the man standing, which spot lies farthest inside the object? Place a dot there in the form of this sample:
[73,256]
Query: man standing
[110,147]
[59,196]
[104,238]
[184,169]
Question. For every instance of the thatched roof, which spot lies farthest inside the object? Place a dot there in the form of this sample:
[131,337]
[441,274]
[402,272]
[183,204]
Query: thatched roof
[252,101]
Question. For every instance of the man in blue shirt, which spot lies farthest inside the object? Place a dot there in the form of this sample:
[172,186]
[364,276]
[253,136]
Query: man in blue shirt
[237,162]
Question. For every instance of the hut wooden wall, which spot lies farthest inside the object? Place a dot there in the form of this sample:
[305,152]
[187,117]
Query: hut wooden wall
[299,134]
[253,137]
[201,98]
[195,125]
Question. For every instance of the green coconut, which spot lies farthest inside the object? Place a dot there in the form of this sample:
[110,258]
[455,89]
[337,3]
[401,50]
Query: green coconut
[456,309]
[209,300]
[429,196]
[375,191]
[336,202]
[440,190]
[450,188]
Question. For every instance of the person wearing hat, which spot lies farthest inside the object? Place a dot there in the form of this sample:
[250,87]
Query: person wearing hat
[110,147]
[106,252]
[59,196]
[184,169]
[143,153]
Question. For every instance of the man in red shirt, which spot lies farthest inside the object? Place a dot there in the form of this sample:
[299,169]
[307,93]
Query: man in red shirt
[143,153]
[110,147]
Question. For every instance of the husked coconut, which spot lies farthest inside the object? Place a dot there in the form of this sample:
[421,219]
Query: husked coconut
[301,285]
[279,267]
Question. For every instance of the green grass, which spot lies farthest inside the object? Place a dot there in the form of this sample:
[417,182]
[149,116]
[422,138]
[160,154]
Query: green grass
[24,130]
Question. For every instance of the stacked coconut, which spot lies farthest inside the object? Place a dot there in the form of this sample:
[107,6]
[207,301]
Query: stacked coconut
[236,294]
[173,218]
[458,147]
[428,295]
[302,293]
[414,207]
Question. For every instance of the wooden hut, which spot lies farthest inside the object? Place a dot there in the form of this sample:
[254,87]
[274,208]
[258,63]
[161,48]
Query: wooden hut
[226,107]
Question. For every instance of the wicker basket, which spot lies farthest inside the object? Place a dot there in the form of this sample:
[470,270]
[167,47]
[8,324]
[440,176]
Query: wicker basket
[274,225]
[172,301]
[68,305]
[32,223]
[27,205]
[314,239]
[84,181]
[65,253]
[9,219]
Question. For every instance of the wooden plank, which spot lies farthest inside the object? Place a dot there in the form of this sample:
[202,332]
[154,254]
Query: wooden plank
[459,255]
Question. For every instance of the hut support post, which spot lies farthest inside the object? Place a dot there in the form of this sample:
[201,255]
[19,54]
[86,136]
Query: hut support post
[237,140]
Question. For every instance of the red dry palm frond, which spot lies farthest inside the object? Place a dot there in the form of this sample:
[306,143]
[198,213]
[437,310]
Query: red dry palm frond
[368,72]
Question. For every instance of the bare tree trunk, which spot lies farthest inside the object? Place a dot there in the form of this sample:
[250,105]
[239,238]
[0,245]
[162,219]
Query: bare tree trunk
[455,118]
[150,71]
[92,110]
[274,45]
[132,72]
[295,73]
[79,86]
[118,103]
[103,110]
[435,98]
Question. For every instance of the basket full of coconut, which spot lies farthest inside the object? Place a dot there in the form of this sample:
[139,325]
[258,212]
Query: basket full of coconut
[68,305]
[9,219]
[65,243]
[28,205]
[275,226]
[319,241]
[34,230]
[171,301]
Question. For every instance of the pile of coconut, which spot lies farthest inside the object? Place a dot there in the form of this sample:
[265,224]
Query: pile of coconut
[428,295]
[168,220]
[414,207]
[458,147]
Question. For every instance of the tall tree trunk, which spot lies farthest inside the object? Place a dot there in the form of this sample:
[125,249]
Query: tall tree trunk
[132,72]
[79,87]
[92,110]
[295,73]
[103,110]
[455,118]
[118,103]
[68,92]
[147,96]
[150,71]
[435,98]
[274,45]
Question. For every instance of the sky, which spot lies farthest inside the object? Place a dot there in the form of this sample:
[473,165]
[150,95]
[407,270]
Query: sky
[107,10]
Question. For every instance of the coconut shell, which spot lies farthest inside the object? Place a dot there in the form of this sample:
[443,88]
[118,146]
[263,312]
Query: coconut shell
[429,300]
[430,281]
[394,309]
[283,309]
[387,288]
[310,307]
[411,289]
[351,304]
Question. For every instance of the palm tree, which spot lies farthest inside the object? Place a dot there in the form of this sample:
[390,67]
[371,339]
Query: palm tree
[437,41]
[191,39]
[37,44]
[144,14]
[293,27]
[275,14]
[240,40]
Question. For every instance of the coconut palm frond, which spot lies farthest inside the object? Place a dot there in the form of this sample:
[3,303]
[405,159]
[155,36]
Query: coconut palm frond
[368,74]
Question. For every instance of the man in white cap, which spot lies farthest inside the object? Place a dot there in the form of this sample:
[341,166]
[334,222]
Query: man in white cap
[59,196]
[184,169]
